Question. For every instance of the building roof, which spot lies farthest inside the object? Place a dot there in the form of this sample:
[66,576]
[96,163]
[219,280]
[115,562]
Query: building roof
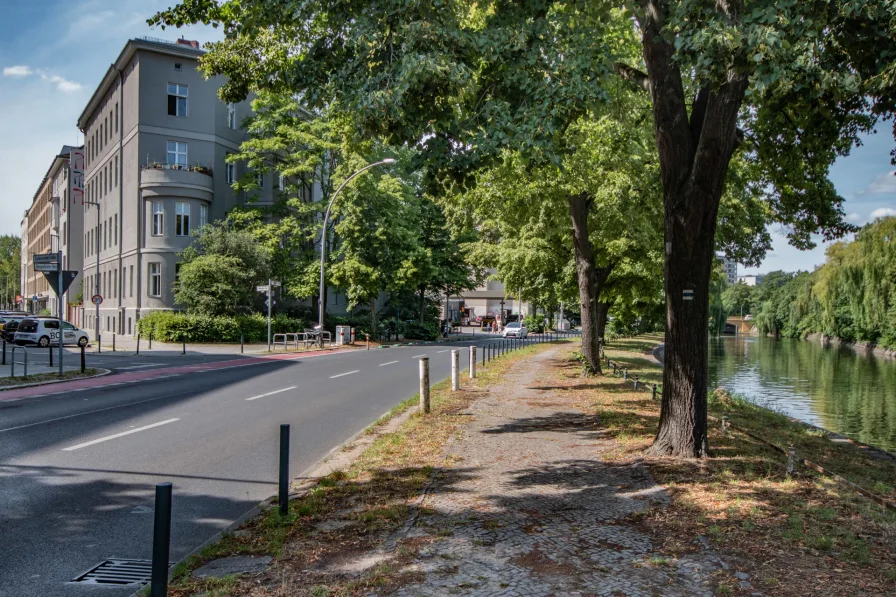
[182,48]
[63,154]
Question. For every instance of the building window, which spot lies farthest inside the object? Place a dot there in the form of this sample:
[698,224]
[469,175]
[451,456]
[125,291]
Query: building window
[116,118]
[177,153]
[178,67]
[177,100]
[203,215]
[231,116]
[259,179]
[230,173]
[155,279]
[281,183]
[131,290]
[116,229]
[182,219]
[158,218]
[116,173]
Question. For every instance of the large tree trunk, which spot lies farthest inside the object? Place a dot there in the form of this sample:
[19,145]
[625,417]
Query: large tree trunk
[694,153]
[587,278]
[603,310]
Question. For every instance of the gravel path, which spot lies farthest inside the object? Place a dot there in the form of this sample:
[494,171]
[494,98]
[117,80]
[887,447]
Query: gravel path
[528,508]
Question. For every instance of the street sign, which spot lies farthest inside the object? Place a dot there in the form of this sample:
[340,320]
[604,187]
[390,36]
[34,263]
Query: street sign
[264,288]
[275,283]
[68,277]
[46,267]
[46,262]
[96,299]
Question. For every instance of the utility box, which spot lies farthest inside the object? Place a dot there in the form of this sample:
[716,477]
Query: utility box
[344,335]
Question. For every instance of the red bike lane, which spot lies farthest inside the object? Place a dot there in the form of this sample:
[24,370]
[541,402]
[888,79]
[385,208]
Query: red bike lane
[117,379]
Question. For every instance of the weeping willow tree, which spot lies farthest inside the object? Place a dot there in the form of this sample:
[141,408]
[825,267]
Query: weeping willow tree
[852,296]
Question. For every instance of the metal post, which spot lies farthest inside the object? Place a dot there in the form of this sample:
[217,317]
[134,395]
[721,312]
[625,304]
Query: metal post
[791,459]
[284,469]
[636,383]
[4,352]
[654,392]
[472,362]
[161,540]
[242,347]
[83,360]
[138,344]
[183,340]
[270,300]
[368,341]
[455,370]
[424,385]
[625,374]
[113,341]
[724,424]
[150,339]
[99,344]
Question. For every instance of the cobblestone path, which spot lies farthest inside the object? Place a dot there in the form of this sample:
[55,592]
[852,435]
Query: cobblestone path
[527,507]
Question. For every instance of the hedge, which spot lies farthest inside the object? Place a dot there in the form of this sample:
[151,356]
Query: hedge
[171,326]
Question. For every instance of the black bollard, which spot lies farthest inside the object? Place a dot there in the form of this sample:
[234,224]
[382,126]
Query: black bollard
[138,344]
[161,540]
[83,360]
[284,469]
[150,339]
[242,346]
[51,354]
[4,352]
[184,348]
[654,392]
[113,341]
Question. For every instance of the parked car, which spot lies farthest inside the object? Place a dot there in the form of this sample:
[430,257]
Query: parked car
[515,329]
[44,331]
[8,326]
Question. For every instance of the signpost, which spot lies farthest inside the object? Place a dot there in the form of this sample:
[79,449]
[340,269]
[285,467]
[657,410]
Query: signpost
[268,288]
[49,264]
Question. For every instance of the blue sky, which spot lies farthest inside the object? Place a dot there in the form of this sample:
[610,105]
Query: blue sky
[53,54]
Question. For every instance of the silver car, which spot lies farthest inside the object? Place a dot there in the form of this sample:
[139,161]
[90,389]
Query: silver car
[44,331]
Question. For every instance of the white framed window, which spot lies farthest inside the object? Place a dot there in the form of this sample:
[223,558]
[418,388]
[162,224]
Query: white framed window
[155,279]
[230,173]
[182,219]
[231,116]
[177,99]
[177,153]
[158,218]
[203,215]
[281,183]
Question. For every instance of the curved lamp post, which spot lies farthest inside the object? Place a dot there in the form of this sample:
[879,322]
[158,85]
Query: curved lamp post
[323,244]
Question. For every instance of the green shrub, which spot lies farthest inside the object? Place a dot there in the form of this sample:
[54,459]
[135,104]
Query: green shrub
[414,330]
[534,324]
[172,326]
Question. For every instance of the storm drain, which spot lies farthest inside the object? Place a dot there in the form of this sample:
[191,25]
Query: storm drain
[118,573]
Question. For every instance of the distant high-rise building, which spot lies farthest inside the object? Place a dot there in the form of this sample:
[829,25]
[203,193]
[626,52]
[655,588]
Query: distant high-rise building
[751,280]
[730,270]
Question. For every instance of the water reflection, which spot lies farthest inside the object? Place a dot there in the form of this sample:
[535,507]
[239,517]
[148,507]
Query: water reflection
[836,388]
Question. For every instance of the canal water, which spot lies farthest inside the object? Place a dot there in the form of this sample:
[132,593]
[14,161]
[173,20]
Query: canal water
[836,388]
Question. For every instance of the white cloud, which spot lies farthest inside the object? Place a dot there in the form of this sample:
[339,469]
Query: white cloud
[883,212]
[17,71]
[62,84]
[884,184]
[853,217]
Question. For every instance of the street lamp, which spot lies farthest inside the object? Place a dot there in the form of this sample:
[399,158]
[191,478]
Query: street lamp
[96,277]
[323,244]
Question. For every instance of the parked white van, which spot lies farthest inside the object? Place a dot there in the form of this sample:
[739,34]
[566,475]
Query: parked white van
[44,331]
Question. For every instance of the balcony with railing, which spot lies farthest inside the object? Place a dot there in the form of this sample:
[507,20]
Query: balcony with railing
[177,180]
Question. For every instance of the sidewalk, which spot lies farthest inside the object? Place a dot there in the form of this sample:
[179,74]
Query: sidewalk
[520,503]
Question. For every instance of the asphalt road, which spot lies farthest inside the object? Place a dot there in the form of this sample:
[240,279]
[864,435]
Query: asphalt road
[78,470]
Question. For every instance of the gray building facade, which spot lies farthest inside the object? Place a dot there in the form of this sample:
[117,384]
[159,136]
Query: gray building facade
[155,141]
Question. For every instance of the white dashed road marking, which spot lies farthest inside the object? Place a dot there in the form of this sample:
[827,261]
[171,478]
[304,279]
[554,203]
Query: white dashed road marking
[389,363]
[271,393]
[343,374]
[117,435]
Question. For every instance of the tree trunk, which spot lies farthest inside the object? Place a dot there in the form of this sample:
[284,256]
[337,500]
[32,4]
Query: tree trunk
[603,310]
[587,278]
[694,152]
[373,314]
[422,304]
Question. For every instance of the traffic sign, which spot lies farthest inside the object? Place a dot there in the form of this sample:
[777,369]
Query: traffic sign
[271,301]
[46,262]
[264,288]
[275,283]
[68,276]
[96,299]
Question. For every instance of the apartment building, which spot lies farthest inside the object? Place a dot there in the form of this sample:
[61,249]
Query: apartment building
[156,138]
[54,222]
[490,299]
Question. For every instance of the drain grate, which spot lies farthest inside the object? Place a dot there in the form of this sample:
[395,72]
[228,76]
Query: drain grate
[119,573]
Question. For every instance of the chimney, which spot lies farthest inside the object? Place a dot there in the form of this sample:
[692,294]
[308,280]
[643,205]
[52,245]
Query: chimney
[188,42]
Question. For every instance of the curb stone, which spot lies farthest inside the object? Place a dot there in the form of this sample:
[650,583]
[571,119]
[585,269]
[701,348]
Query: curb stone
[102,373]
